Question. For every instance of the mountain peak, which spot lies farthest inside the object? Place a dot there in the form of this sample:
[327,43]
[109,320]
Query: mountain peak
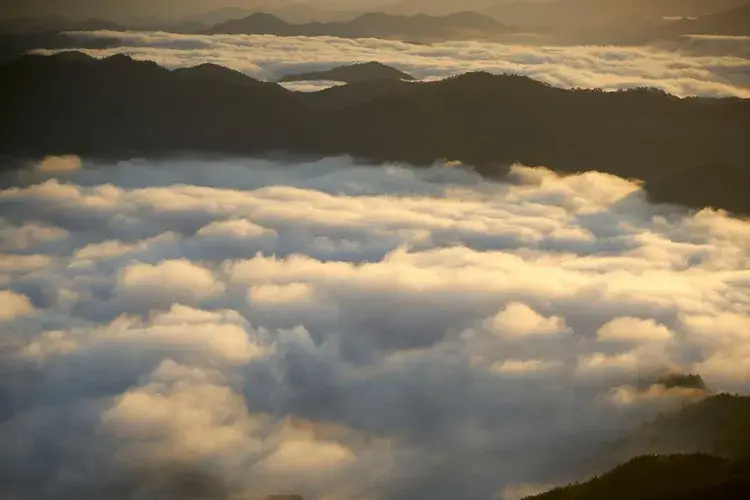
[214,71]
[359,72]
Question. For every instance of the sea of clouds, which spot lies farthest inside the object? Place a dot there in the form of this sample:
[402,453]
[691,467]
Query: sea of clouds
[233,328]
[704,66]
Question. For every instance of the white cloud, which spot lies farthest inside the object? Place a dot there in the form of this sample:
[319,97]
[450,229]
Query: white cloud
[519,320]
[307,455]
[59,164]
[602,363]
[13,305]
[655,394]
[239,228]
[634,330]
[23,263]
[30,237]
[173,279]
[678,70]
[523,367]
[310,85]
[348,331]
[280,295]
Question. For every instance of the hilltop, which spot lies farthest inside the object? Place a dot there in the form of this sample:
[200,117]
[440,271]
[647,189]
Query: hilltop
[352,73]
[671,477]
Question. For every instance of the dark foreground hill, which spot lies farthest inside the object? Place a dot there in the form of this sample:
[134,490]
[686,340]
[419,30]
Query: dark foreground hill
[721,185]
[699,452]
[670,477]
[73,104]
[352,74]
[719,425]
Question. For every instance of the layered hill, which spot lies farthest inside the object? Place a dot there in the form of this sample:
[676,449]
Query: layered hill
[72,103]
[352,74]
[421,27]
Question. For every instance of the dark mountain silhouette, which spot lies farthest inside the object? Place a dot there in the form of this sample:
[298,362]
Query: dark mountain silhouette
[722,186]
[337,98]
[300,13]
[718,425]
[118,104]
[376,25]
[352,73]
[669,477]
[714,425]
[187,27]
[21,35]
[735,489]
[14,45]
[482,118]
[214,72]
[290,11]
[72,103]
[219,15]
[258,23]
[701,451]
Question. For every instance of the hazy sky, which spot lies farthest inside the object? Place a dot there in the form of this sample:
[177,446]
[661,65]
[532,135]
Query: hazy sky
[121,10]
[145,8]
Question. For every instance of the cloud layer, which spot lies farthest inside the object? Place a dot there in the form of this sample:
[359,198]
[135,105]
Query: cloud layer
[236,328]
[690,67]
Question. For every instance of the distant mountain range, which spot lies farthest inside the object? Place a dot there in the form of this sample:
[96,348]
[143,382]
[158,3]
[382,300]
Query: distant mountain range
[421,27]
[352,74]
[292,12]
[19,36]
[563,21]
[72,103]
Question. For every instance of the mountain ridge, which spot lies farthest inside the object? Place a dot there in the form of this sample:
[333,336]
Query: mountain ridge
[352,73]
[424,27]
[71,103]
